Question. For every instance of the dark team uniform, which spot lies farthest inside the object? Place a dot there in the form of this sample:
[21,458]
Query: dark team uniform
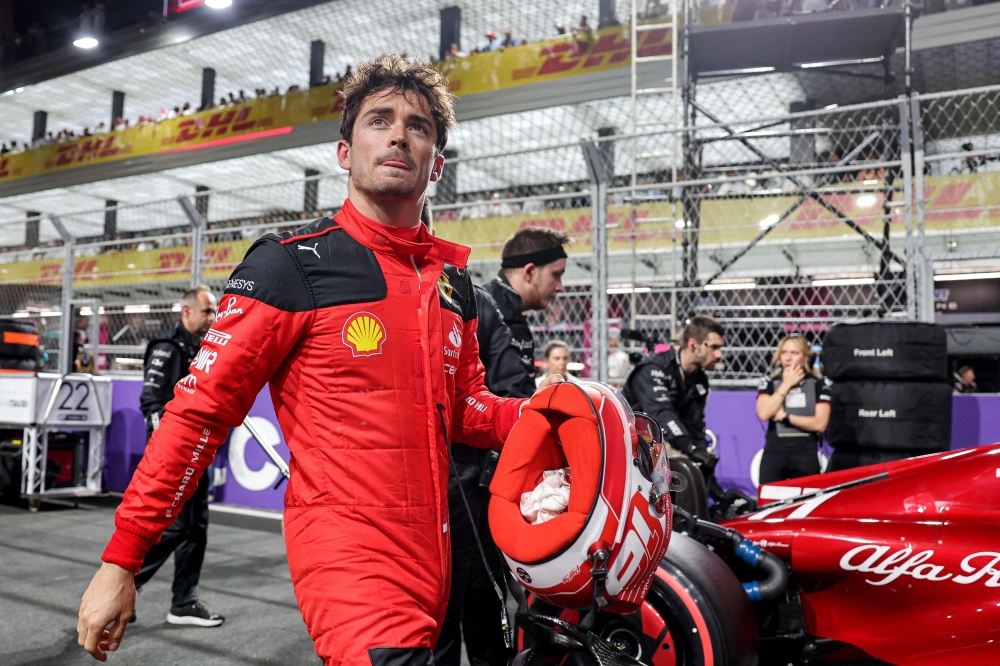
[473,607]
[658,387]
[509,303]
[788,451]
[168,360]
[507,374]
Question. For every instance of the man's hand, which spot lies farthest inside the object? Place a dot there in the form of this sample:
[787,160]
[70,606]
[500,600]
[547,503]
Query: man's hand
[549,381]
[109,599]
[780,415]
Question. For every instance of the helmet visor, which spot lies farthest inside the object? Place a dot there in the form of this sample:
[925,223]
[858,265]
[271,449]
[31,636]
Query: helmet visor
[653,465]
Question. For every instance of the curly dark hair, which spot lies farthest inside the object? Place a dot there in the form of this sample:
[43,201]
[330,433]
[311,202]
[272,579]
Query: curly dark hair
[391,71]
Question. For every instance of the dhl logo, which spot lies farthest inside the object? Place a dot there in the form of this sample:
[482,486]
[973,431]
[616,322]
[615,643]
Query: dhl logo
[334,109]
[606,50]
[217,125]
[83,268]
[6,169]
[579,227]
[87,151]
[220,258]
[949,197]
[49,271]
[168,260]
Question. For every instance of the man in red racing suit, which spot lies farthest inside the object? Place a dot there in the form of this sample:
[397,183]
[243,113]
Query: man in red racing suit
[367,335]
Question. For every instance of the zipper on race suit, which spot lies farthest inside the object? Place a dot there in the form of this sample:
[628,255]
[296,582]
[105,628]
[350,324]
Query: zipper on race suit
[413,260]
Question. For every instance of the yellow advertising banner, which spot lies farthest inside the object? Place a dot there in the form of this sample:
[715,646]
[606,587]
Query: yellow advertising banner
[260,118]
[954,201]
[558,58]
[486,236]
[131,267]
[596,51]
[958,201]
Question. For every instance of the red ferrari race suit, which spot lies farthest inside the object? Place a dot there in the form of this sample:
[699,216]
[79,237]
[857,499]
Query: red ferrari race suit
[369,344]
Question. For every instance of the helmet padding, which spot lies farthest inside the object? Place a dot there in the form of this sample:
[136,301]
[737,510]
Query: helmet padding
[556,432]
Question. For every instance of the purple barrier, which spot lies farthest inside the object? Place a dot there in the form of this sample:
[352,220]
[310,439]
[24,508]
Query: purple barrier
[732,416]
[250,476]
[125,439]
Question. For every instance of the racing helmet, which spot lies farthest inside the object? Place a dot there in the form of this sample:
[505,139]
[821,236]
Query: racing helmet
[604,549]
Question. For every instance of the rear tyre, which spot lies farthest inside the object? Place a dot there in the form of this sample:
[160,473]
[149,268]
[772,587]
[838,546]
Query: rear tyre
[710,618]
[696,614]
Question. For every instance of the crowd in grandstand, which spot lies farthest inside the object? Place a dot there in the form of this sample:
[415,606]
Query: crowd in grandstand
[517,200]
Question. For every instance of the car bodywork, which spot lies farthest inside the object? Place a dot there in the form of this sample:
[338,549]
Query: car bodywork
[900,560]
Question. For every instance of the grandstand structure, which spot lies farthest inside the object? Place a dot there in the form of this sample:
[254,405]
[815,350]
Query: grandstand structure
[777,169]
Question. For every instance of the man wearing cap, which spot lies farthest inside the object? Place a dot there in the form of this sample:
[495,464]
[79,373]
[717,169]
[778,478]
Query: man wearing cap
[491,42]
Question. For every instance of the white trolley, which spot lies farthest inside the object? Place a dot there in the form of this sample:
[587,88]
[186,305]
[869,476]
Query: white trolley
[44,403]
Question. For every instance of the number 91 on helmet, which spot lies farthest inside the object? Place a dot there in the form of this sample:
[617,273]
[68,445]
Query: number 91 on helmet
[604,548]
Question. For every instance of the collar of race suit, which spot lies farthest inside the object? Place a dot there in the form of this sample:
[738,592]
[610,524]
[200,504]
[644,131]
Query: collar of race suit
[391,240]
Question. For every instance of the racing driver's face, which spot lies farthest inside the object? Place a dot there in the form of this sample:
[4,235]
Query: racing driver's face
[392,154]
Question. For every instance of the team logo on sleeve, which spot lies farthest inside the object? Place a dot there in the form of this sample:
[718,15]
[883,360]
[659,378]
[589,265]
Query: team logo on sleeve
[455,335]
[444,286]
[188,384]
[217,337]
[364,334]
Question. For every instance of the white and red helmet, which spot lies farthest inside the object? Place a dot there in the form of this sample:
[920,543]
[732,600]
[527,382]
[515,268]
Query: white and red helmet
[618,516]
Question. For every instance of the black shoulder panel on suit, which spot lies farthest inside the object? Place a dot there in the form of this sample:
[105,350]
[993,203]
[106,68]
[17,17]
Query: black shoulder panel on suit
[463,299]
[317,266]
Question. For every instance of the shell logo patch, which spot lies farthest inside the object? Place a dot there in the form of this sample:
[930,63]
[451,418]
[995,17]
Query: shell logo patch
[364,334]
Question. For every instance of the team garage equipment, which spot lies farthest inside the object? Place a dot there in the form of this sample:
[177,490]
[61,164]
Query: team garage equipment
[891,395]
[56,423]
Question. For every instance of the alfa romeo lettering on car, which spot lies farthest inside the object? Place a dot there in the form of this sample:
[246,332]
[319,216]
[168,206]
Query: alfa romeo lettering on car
[904,562]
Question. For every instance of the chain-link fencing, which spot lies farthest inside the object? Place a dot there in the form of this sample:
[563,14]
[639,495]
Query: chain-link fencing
[784,224]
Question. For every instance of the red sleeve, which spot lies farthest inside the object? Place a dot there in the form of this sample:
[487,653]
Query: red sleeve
[480,419]
[245,347]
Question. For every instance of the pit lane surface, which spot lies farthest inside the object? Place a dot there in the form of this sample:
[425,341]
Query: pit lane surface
[47,560]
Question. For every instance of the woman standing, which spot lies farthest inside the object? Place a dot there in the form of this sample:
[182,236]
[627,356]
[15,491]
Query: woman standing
[557,359]
[795,401]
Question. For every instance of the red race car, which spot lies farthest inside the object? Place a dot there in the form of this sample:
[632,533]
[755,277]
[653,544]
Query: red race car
[895,563]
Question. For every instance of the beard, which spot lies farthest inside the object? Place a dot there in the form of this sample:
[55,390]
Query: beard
[405,187]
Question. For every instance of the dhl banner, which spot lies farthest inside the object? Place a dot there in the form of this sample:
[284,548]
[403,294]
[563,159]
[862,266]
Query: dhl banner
[966,201]
[563,57]
[486,236]
[599,51]
[165,264]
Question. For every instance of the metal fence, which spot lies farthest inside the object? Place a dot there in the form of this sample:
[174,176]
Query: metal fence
[787,223]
